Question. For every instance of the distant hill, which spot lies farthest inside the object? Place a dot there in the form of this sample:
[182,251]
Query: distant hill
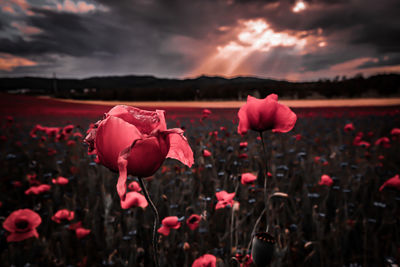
[201,88]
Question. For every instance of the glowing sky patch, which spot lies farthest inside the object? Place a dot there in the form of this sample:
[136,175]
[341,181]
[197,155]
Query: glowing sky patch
[9,62]
[299,6]
[252,36]
[79,7]
[25,29]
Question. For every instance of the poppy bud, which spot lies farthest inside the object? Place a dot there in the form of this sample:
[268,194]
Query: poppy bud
[262,250]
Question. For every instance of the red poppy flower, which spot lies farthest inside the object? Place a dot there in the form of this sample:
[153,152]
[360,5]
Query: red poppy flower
[16,183]
[326,180]
[68,129]
[248,178]
[134,186]
[206,112]
[136,142]
[134,199]
[243,144]
[265,114]
[22,225]
[32,179]
[168,223]
[206,153]
[193,221]
[349,127]
[317,159]
[383,141]
[71,143]
[393,182]
[63,214]
[243,156]
[395,131]
[207,260]
[298,137]
[36,190]
[80,231]
[60,180]
[224,199]
[78,135]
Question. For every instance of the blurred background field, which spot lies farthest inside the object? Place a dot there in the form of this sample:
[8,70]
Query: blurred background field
[351,223]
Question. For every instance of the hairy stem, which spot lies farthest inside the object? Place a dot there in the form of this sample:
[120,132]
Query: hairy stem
[156,220]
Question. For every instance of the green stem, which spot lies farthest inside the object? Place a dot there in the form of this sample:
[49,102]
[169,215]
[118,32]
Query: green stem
[156,220]
[265,166]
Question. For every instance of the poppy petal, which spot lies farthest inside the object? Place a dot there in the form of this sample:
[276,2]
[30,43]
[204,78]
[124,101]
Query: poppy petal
[179,148]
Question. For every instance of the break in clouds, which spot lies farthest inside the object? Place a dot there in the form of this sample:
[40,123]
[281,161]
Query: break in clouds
[295,40]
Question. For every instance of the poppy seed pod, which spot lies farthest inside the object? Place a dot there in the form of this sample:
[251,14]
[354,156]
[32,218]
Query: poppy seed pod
[262,250]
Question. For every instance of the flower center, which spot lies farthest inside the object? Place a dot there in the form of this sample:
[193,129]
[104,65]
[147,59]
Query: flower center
[193,220]
[21,225]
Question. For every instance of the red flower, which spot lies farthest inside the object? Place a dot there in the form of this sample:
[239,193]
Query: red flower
[298,137]
[136,142]
[206,153]
[206,113]
[248,178]
[60,180]
[395,132]
[207,260]
[36,190]
[265,114]
[134,199]
[22,225]
[393,182]
[326,180]
[32,179]
[224,199]
[243,144]
[80,231]
[383,141]
[71,143]
[193,221]
[63,214]
[317,159]
[134,186]
[349,127]
[168,223]
[243,156]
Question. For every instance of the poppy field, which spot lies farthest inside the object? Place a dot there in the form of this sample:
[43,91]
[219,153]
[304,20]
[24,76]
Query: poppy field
[319,188]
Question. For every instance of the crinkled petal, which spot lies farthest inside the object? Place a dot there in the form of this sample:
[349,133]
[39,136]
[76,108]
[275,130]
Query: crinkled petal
[179,147]
[146,121]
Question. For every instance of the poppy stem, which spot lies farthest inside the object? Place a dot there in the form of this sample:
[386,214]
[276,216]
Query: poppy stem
[156,220]
[265,165]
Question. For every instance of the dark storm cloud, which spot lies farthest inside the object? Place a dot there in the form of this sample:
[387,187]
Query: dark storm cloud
[391,60]
[143,36]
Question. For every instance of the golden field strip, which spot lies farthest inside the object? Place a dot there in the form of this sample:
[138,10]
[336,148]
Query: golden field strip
[237,104]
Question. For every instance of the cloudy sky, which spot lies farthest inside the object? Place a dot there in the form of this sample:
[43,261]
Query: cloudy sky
[281,39]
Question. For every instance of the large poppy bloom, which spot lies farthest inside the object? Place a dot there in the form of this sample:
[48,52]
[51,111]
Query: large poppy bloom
[134,141]
[265,114]
[207,260]
[22,225]
[168,223]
